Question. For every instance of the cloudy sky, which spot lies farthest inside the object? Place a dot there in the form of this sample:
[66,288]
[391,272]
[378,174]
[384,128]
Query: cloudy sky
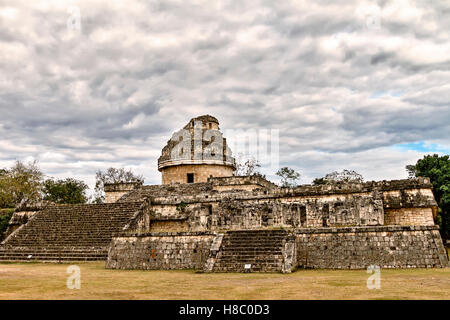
[362,85]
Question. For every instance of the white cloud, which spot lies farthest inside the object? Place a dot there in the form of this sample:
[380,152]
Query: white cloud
[341,89]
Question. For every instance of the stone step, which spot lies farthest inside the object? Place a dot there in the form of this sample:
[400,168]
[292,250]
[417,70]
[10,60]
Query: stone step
[258,231]
[52,259]
[69,233]
[263,249]
[53,254]
[241,264]
[251,257]
[256,236]
[254,241]
[252,251]
[14,252]
[251,245]
[252,269]
[249,261]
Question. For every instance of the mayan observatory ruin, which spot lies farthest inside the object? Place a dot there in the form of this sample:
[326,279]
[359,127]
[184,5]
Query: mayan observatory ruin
[203,217]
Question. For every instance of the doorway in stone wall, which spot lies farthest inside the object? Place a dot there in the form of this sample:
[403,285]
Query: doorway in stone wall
[190,178]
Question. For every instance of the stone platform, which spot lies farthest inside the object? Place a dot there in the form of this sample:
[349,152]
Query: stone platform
[278,250]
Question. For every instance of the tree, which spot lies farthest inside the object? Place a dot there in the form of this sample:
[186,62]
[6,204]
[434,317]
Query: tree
[4,221]
[20,185]
[68,191]
[248,167]
[113,175]
[320,181]
[343,176]
[6,199]
[438,170]
[288,176]
[411,169]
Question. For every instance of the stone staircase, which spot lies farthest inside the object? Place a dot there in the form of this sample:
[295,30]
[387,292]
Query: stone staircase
[55,254]
[262,249]
[68,233]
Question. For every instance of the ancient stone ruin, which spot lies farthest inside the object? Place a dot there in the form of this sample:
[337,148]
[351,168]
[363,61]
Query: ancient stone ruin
[204,218]
[195,153]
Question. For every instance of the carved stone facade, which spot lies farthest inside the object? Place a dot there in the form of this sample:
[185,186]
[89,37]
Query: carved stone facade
[387,223]
[260,204]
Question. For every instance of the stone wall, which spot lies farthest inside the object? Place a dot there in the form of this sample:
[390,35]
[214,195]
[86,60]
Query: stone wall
[242,183]
[321,248]
[409,216]
[368,204]
[160,251]
[340,226]
[407,196]
[169,225]
[255,214]
[359,247]
[115,191]
[178,174]
[234,214]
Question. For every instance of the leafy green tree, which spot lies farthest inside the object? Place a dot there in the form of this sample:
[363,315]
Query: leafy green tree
[113,175]
[68,191]
[20,185]
[319,181]
[4,221]
[411,169]
[6,199]
[437,168]
[343,176]
[288,176]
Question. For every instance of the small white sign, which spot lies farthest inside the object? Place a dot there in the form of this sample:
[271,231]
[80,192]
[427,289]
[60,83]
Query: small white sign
[247,266]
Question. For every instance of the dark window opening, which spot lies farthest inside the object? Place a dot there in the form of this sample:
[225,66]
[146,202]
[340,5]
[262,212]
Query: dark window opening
[190,178]
[325,214]
[303,216]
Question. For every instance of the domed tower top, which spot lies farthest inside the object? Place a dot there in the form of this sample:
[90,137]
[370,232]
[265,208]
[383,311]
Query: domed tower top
[196,152]
[208,122]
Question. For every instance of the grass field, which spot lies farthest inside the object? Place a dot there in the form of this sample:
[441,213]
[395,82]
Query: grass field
[48,281]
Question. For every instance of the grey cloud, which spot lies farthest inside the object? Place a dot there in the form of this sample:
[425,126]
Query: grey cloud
[337,90]
[380,57]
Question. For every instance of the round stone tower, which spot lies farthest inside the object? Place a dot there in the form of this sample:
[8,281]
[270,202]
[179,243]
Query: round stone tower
[195,153]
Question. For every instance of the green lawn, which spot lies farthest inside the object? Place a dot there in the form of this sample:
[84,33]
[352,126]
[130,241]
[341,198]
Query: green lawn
[48,281]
